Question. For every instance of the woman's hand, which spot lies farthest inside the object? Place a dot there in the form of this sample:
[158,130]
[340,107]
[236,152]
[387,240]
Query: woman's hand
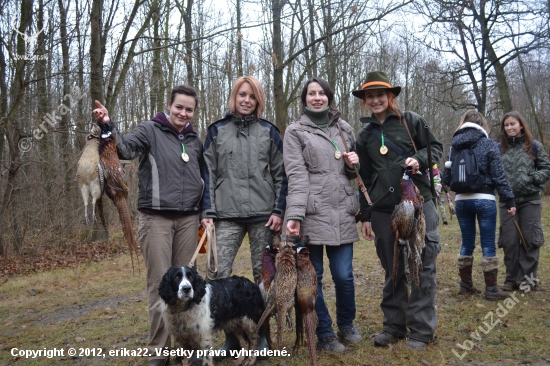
[207,221]
[512,211]
[366,231]
[101,113]
[412,163]
[293,227]
[351,159]
[275,223]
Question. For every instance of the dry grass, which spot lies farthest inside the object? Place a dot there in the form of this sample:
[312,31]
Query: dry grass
[103,305]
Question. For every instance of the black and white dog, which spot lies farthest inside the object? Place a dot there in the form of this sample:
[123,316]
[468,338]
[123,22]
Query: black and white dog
[195,308]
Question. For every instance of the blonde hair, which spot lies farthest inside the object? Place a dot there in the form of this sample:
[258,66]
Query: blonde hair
[256,88]
[475,117]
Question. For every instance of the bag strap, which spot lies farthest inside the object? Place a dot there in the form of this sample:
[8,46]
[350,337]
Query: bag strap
[210,235]
[371,128]
[361,184]
[409,132]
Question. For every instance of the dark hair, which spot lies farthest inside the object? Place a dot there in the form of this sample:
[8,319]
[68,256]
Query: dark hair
[326,88]
[185,90]
[529,139]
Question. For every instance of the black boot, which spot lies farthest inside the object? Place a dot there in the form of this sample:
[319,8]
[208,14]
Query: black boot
[464,263]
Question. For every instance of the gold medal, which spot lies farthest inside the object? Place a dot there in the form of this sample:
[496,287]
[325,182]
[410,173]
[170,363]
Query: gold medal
[383,150]
[337,154]
[185,157]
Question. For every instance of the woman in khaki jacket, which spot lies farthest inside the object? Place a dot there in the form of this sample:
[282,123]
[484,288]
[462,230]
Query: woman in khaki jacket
[321,203]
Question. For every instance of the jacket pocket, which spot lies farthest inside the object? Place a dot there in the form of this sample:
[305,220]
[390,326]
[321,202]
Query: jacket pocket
[538,235]
[352,206]
[310,206]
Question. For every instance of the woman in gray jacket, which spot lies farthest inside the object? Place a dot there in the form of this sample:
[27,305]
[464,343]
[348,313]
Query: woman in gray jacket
[170,189]
[321,203]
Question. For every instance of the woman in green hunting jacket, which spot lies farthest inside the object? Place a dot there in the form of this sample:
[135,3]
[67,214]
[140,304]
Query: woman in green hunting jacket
[527,169]
[384,147]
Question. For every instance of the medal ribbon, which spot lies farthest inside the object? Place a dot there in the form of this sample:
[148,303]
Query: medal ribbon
[335,145]
[382,140]
[182,148]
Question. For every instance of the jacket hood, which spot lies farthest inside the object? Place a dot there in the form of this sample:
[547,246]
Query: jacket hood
[162,119]
[468,134]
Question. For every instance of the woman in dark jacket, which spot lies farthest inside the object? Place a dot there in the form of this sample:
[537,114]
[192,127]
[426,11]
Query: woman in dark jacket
[381,169]
[170,189]
[480,204]
[527,167]
[322,204]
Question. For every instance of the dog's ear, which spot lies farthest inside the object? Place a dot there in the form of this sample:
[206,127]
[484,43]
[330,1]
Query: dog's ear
[199,286]
[165,288]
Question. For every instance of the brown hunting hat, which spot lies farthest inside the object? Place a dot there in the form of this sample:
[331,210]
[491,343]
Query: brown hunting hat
[376,80]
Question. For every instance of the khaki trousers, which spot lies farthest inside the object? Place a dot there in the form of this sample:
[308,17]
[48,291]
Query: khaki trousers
[165,242]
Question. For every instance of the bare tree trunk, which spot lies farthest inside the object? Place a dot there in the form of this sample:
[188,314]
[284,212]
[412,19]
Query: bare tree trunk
[12,128]
[281,112]
[239,41]
[97,52]
[530,98]
[189,43]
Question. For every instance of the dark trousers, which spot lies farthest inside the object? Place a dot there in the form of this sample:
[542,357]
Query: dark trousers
[519,262]
[415,311]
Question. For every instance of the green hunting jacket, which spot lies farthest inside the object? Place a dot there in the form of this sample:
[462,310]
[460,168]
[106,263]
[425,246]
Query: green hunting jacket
[244,174]
[526,176]
[380,172]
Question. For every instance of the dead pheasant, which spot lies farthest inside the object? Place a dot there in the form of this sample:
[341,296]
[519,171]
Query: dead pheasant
[409,228]
[115,187]
[89,176]
[268,266]
[306,295]
[280,297]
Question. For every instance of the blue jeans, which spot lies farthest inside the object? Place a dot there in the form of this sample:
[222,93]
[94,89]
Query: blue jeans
[341,269]
[486,212]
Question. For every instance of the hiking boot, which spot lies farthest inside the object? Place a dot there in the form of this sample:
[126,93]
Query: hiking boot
[464,263]
[492,293]
[231,343]
[509,287]
[445,222]
[330,344]
[348,336]
[416,345]
[384,339]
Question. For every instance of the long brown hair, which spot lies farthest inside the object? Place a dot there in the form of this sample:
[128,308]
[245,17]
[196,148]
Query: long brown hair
[475,117]
[529,140]
[392,103]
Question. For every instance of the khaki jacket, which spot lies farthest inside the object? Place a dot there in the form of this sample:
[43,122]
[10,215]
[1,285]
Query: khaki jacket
[244,174]
[319,188]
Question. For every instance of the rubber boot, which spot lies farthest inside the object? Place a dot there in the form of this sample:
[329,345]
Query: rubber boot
[464,263]
[231,343]
[490,272]
[262,345]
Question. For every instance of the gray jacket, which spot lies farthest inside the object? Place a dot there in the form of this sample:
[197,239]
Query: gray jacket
[319,188]
[244,173]
[166,182]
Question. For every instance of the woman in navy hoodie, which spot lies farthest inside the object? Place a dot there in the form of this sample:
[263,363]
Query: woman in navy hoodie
[170,190]
[472,134]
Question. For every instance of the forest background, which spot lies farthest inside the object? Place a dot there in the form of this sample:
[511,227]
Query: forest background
[57,56]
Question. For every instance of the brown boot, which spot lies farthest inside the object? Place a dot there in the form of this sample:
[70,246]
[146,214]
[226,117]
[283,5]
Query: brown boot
[490,272]
[464,263]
